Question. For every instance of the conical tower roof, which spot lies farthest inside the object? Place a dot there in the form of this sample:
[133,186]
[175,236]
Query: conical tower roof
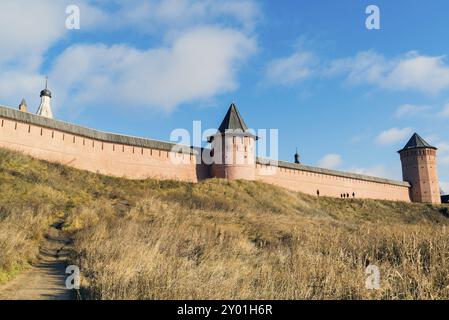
[233,121]
[416,141]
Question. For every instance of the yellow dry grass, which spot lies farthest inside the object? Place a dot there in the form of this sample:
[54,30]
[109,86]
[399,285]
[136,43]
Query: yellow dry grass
[221,240]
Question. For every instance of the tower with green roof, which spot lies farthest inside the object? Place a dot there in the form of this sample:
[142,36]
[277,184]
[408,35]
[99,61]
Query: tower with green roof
[419,168]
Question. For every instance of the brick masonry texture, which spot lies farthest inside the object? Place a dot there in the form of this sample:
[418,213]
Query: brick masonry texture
[139,158]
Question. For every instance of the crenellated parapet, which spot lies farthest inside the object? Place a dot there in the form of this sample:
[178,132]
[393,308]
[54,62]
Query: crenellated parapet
[233,153]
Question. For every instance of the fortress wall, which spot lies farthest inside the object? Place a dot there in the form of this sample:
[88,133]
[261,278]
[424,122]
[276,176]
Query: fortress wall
[138,158]
[330,185]
[87,153]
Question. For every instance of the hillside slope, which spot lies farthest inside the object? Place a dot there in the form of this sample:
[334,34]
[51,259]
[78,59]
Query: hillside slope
[219,239]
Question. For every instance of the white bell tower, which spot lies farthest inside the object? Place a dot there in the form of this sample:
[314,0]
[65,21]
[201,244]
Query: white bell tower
[44,109]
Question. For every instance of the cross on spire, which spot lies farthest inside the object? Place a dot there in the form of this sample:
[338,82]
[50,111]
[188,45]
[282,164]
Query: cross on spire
[45,106]
[46,92]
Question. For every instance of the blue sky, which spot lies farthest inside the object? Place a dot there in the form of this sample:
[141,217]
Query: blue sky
[346,96]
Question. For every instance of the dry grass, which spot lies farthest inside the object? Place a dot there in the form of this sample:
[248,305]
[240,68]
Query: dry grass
[221,240]
[20,233]
[261,242]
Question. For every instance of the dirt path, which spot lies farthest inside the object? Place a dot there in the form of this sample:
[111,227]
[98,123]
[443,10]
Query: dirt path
[46,279]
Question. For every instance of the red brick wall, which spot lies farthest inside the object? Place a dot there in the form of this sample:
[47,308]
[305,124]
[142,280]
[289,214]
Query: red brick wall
[93,155]
[139,163]
[330,185]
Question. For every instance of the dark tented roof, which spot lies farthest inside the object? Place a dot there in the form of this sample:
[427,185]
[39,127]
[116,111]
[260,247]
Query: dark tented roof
[233,121]
[416,141]
[233,124]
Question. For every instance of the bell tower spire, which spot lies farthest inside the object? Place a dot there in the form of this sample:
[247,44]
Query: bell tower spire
[44,109]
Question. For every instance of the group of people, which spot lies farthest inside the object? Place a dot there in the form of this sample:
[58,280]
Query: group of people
[342,195]
[346,195]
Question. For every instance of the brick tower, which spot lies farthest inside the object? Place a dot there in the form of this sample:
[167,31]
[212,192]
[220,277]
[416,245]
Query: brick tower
[233,148]
[419,168]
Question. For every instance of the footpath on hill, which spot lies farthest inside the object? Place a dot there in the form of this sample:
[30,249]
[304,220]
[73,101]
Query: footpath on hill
[46,279]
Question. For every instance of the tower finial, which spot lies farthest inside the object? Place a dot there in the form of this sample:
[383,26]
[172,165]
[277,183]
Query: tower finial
[297,157]
[46,92]
[45,106]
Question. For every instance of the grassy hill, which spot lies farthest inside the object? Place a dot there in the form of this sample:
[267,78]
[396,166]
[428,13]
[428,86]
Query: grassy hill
[219,239]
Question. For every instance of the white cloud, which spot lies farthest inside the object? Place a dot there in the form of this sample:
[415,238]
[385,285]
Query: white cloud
[445,111]
[330,161]
[246,12]
[202,47]
[410,110]
[443,150]
[291,69]
[16,85]
[28,30]
[393,135]
[199,64]
[366,67]
[153,15]
[422,73]
[411,71]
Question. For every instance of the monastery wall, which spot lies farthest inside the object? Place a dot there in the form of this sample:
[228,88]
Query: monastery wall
[331,183]
[95,151]
[138,158]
